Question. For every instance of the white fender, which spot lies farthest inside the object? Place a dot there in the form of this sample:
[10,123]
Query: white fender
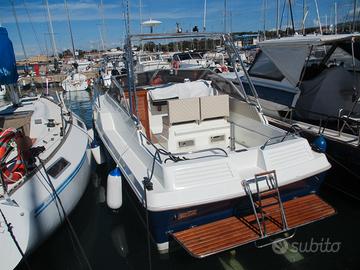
[114,189]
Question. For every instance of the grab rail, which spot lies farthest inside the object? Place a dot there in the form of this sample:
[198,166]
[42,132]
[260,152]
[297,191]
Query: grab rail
[283,137]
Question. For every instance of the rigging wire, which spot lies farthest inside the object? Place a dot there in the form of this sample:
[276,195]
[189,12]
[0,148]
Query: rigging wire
[10,230]
[32,27]
[18,28]
[68,222]
[60,212]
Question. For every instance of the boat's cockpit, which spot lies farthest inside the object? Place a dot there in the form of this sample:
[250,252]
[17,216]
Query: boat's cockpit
[196,110]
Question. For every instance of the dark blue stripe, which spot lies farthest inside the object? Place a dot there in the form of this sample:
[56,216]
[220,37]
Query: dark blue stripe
[63,185]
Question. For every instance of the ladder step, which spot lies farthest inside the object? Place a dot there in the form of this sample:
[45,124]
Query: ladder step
[267,202]
[268,192]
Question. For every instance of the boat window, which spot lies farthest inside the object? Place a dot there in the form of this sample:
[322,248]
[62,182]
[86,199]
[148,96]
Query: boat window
[195,56]
[342,58]
[184,56]
[58,167]
[263,67]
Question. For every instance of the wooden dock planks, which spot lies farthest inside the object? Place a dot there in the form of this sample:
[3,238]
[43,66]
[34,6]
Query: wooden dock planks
[231,232]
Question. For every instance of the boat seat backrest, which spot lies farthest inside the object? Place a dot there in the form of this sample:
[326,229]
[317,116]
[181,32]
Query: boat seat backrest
[214,107]
[183,110]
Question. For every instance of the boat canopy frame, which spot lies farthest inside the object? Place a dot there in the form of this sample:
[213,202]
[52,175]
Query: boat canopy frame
[229,46]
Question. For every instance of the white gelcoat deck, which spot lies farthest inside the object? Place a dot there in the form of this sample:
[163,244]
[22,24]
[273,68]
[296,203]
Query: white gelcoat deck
[37,215]
[195,182]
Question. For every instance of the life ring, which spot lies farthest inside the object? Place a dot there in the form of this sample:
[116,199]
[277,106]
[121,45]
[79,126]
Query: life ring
[17,169]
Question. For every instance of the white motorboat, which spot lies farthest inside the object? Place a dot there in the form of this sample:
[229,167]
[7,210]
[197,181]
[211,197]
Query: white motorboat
[150,61]
[43,178]
[191,60]
[199,157]
[75,82]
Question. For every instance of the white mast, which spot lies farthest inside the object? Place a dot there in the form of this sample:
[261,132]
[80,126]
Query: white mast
[204,19]
[103,29]
[51,30]
[304,16]
[277,18]
[70,29]
[140,16]
[318,16]
[225,15]
[335,26]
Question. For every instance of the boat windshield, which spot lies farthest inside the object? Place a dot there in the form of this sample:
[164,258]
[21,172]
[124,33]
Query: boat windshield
[195,56]
[183,56]
[263,67]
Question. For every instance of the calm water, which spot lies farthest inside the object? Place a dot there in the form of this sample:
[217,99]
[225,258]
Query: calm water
[118,240]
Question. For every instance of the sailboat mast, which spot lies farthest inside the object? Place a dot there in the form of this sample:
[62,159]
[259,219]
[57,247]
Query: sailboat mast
[103,30]
[335,15]
[18,29]
[204,19]
[140,16]
[354,16]
[277,18]
[225,16]
[292,17]
[51,30]
[265,4]
[318,16]
[70,28]
[304,16]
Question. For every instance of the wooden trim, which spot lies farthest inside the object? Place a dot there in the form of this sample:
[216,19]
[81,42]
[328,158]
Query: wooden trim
[234,231]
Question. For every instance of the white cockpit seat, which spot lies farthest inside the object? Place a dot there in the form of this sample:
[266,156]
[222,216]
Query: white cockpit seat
[184,131]
[212,107]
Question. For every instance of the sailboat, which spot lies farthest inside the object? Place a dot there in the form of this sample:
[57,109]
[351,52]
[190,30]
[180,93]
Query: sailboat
[41,178]
[76,81]
[201,162]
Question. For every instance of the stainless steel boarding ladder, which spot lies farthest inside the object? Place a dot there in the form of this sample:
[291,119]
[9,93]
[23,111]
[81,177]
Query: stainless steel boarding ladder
[266,203]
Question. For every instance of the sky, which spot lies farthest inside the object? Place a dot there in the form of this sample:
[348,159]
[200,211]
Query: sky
[89,29]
